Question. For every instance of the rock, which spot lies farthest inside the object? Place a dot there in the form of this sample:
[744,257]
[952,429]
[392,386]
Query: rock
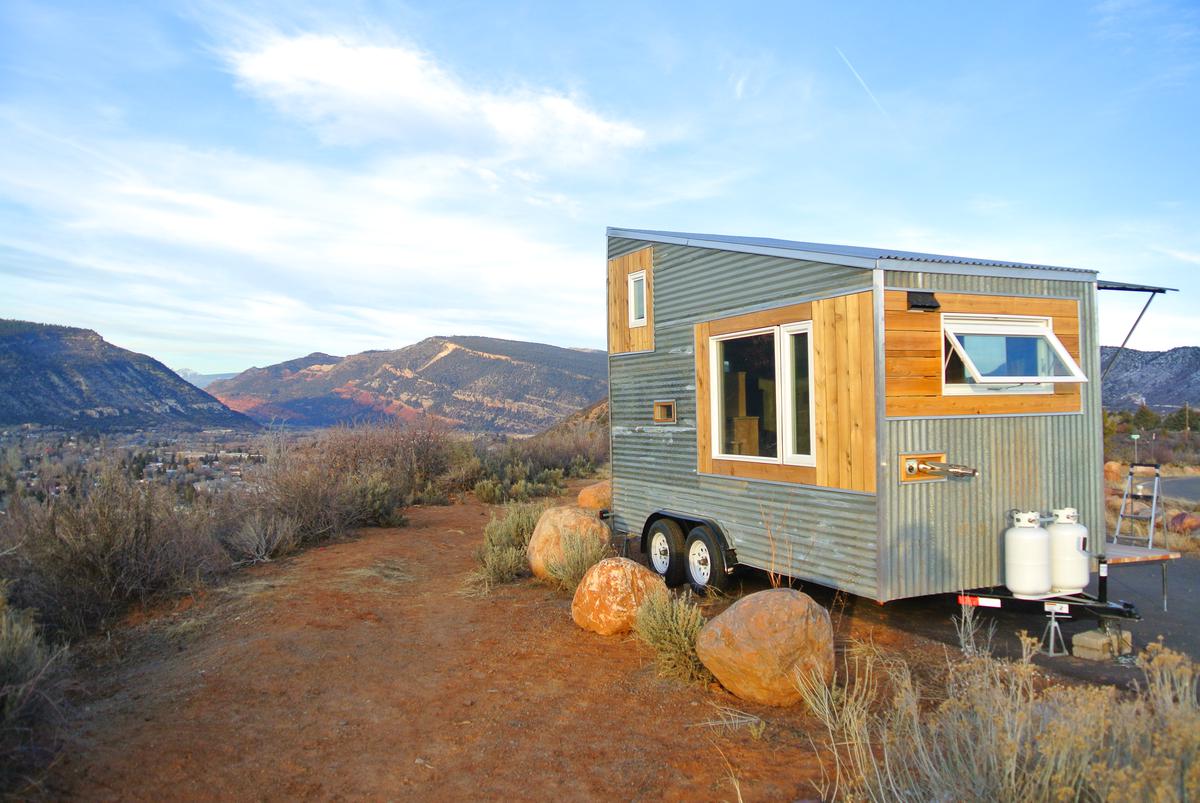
[1185,523]
[597,496]
[545,544]
[1112,471]
[608,597]
[761,642]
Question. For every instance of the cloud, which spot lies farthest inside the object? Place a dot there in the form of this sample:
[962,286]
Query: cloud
[355,92]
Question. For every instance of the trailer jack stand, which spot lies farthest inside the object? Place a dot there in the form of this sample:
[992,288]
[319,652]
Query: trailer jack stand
[1053,643]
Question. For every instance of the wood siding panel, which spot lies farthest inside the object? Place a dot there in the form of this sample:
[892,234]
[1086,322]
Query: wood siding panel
[621,338]
[913,353]
[843,387]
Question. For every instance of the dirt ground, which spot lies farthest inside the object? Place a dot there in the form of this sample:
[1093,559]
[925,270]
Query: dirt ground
[357,670]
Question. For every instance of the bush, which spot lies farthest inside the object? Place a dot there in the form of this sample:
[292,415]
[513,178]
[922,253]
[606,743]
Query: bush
[28,686]
[579,553]
[502,558]
[669,624]
[79,561]
[261,538]
[999,736]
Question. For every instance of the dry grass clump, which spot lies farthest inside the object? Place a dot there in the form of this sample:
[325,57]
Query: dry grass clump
[999,735]
[579,553]
[669,624]
[502,558]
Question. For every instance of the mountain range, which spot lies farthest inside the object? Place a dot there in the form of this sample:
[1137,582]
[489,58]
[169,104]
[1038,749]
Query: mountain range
[1163,380]
[202,380]
[479,384]
[73,378]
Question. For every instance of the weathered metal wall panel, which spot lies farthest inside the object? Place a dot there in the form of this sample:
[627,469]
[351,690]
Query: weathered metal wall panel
[946,536]
[822,535]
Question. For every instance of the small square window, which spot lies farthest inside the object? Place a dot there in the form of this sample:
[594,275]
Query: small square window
[664,412]
[637,299]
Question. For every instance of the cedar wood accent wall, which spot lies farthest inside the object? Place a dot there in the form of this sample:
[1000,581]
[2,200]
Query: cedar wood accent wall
[843,382]
[913,356]
[622,339]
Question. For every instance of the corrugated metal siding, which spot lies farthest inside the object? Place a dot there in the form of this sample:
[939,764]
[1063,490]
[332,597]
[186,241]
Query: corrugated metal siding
[947,536]
[820,535]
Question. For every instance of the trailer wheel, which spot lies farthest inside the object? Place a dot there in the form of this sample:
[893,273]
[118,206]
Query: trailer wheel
[705,560]
[664,545]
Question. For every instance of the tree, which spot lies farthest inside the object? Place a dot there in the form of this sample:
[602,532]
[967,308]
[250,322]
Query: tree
[1179,420]
[1145,418]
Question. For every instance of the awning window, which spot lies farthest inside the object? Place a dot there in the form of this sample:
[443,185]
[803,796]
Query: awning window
[993,352]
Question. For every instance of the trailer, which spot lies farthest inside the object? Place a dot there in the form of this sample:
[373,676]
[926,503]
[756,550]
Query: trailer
[860,418]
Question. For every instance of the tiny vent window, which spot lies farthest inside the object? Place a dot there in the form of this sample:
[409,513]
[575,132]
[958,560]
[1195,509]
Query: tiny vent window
[664,412]
[637,298]
[1003,353]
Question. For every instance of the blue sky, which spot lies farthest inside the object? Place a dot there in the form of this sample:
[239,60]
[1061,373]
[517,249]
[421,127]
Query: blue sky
[222,185]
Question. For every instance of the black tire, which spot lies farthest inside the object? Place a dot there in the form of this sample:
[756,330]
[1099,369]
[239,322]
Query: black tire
[669,537]
[710,554]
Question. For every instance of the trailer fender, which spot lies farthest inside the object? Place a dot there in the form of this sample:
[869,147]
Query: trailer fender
[687,522]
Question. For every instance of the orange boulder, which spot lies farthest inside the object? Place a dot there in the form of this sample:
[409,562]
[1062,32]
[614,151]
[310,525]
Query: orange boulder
[608,597]
[759,645]
[545,545]
[597,496]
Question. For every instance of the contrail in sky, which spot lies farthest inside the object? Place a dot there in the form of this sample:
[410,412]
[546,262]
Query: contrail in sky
[866,88]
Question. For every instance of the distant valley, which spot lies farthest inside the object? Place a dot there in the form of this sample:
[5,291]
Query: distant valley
[202,380]
[480,384]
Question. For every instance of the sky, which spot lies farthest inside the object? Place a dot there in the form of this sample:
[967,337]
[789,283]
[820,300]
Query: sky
[226,185]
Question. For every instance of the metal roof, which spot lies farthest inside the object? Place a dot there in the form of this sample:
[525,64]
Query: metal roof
[855,256]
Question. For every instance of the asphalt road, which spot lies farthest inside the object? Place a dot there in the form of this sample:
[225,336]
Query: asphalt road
[1187,488]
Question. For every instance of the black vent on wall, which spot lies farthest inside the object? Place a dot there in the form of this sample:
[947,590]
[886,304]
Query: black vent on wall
[922,302]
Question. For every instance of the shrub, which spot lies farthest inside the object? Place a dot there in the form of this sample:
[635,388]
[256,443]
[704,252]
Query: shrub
[502,558]
[261,538]
[999,736]
[28,686]
[579,553]
[78,561]
[374,500]
[669,625]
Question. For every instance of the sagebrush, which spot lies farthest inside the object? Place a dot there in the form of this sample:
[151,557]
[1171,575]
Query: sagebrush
[999,734]
[580,552]
[503,556]
[669,625]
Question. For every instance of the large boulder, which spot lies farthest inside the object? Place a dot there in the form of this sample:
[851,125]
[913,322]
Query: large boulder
[608,597]
[1112,471]
[758,646]
[545,545]
[1183,522]
[597,496]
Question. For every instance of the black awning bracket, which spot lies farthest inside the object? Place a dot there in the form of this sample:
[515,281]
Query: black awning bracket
[1130,288]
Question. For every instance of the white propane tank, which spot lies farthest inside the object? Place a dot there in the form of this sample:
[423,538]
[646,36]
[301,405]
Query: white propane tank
[1070,567]
[1027,557]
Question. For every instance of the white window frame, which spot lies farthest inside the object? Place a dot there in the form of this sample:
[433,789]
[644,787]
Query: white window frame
[787,393]
[783,394]
[634,321]
[954,324]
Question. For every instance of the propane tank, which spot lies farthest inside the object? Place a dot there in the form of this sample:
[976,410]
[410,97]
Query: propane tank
[1069,562]
[1027,556]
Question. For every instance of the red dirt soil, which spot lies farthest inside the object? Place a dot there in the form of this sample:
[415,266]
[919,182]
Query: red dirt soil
[357,670]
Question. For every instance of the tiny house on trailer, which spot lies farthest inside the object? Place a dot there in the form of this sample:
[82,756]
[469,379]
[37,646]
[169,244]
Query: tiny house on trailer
[859,418]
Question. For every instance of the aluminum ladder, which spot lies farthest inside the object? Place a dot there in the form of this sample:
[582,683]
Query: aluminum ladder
[1135,492]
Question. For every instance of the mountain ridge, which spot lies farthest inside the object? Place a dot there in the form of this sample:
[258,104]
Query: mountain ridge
[65,376]
[1163,380]
[472,382]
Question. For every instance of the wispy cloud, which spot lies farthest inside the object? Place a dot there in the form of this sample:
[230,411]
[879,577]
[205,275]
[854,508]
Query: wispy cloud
[356,91]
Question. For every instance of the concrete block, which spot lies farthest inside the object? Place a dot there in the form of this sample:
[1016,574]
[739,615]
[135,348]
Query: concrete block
[1098,645]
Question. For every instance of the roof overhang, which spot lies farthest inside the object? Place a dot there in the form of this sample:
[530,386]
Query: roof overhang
[1104,284]
[859,257]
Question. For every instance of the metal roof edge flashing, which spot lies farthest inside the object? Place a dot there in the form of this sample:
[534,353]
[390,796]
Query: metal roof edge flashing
[858,256]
